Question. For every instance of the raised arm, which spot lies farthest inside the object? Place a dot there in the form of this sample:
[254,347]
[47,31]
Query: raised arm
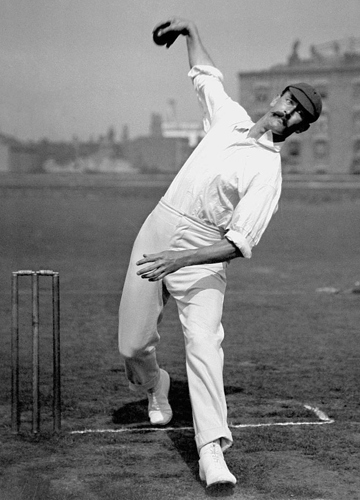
[196,51]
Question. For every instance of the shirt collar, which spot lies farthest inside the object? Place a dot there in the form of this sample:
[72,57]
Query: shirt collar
[268,141]
[265,140]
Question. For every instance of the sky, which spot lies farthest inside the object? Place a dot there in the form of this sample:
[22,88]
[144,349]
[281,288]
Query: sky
[78,67]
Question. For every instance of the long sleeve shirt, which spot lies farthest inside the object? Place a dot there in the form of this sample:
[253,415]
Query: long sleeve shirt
[230,181]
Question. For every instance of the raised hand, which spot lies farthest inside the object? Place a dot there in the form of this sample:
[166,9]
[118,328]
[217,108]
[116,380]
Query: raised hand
[165,33]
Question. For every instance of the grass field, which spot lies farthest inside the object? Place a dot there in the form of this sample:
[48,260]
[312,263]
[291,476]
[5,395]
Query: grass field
[291,345]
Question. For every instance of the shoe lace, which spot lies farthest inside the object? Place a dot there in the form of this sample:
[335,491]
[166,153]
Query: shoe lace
[154,402]
[216,457]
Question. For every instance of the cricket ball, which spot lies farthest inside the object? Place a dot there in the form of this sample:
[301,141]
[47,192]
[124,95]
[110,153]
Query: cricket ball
[166,38]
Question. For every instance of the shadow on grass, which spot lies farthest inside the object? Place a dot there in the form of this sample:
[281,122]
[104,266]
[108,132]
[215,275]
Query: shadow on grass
[135,415]
[179,398]
[136,412]
[184,443]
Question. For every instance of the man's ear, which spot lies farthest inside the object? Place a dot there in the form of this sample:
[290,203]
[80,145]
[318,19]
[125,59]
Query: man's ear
[303,127]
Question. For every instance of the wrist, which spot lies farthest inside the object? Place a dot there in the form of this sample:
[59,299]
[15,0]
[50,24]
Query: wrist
[191,31]
[186,258]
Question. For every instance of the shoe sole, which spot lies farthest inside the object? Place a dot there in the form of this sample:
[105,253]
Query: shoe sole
[222,482]
[160,424]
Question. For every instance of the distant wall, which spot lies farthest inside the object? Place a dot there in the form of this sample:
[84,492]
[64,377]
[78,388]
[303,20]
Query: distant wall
[22,159]
[158,154]
[4,157]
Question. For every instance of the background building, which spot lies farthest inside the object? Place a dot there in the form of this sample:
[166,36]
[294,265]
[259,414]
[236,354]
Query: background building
[168,145]
[332,144]
[156,154]
[173,127]
[17,157]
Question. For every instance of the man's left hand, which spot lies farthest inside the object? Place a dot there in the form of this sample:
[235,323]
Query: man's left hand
[161,264]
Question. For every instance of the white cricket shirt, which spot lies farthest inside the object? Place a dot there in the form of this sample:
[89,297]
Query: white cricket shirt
[230,181]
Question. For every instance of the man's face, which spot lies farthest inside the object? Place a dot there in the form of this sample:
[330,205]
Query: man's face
[286,116]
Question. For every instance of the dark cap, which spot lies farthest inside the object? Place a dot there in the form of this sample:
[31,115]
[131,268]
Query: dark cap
[309,98]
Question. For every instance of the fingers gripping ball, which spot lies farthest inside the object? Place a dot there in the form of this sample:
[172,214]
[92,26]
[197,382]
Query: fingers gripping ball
[167,38]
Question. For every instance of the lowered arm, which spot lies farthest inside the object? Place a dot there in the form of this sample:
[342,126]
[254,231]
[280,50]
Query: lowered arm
[169,261]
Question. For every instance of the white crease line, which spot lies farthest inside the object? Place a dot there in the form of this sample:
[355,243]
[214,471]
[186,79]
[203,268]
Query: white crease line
[166,429]
[324,419]
[131,429]
[320,414]
[280,424]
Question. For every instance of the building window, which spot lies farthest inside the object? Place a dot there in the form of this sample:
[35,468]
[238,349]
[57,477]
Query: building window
[321,150]
[323,90]
[293,152]
[262,93]
[356,122]
[322,124]
[355,167]
[356,148]
[356,91]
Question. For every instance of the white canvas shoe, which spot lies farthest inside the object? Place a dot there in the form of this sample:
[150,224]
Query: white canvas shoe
[160,412]
[212,466]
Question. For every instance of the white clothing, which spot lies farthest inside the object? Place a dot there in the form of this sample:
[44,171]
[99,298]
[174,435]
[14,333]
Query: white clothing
[199,295]
[230,181]
[229,187]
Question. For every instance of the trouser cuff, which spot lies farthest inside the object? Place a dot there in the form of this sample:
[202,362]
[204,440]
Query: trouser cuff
[206,437]
[145,387]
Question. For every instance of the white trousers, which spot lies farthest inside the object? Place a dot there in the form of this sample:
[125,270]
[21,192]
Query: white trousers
[199,295]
